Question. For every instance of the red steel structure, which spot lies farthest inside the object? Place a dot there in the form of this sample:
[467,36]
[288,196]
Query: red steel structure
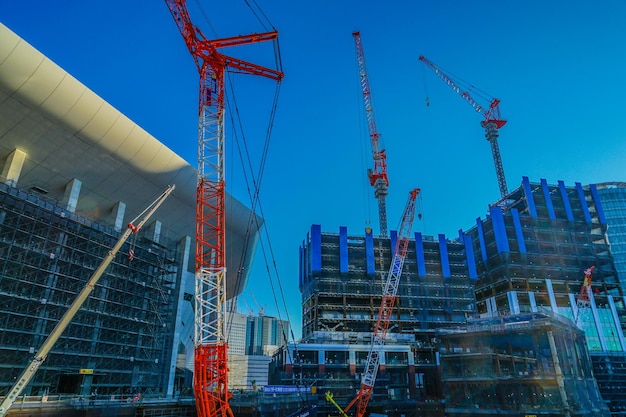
[210,366]
[377,175]
[492,120]
[386,308]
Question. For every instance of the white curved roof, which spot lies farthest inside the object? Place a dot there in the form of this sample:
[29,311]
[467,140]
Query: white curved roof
[67,132]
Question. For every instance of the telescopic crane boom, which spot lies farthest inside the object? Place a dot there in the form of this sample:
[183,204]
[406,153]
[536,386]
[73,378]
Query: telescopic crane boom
[386,308]
[58,330]
[492,121]
[210,350]
[377,175]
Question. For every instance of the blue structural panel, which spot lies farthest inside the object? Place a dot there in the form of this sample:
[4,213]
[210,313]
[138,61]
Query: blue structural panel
[518,230]
[596,200]
[316,248]
[469,255]
[568,207]
[445,260]
[583,202]
[481,239]
[343,249]
[532,208]
[393,238]
[301,269]
[419,255]
[499,229]
[369,251]
[548,198]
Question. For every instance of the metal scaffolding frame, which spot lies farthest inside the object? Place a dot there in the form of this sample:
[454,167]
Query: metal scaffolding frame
[121,339]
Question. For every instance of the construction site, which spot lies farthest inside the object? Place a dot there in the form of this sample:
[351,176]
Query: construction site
[520,314]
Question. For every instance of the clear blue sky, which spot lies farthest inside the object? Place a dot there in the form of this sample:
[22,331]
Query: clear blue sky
[557,66]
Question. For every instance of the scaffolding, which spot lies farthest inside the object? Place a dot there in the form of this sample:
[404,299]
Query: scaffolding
[121,340]
[348,302]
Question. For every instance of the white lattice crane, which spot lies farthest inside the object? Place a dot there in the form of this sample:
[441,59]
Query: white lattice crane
[387,303]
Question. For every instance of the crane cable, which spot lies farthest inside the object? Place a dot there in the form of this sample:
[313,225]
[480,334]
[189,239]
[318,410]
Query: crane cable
[254,196]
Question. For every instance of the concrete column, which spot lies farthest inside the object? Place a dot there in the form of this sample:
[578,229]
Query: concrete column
[597,321]
[558,373]
[513,302]
[72,192]
[13,167]
[153,231]
[118,211]
[321,361]
[616,321]
[533,302]
[352,355]
[553,305]
[183,264]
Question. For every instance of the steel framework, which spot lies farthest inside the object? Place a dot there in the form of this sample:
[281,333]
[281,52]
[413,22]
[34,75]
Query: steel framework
[210,357]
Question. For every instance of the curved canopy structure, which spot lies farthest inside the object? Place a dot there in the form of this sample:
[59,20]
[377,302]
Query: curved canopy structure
[67,132]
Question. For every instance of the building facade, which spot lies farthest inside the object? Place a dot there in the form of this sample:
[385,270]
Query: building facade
[519,364]
[342,277]
[531,254]
[528,256]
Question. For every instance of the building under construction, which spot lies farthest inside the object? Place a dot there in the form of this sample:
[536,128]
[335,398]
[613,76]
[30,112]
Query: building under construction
[531,254]
[341,279]
[73,172]
[521,364]
[526,257]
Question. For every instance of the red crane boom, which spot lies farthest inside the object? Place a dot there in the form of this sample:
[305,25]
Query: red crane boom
[377,175]
[386,308]
[492,120]
[210,349]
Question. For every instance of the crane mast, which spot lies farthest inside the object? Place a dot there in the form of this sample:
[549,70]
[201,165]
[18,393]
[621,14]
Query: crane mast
[386,308]
[492,121]
[378,174]
[210,348]
[78,302]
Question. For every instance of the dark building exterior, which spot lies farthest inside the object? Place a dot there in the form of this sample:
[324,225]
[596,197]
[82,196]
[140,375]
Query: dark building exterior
[121,340]
[531,254]
[342,278]
[523,262]
[521,364]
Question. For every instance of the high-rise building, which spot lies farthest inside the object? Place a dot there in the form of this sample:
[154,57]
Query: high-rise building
[73,172]
[264,334]
[342,277]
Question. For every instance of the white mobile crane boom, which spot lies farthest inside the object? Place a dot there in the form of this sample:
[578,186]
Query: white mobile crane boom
[386,308]
[56,333]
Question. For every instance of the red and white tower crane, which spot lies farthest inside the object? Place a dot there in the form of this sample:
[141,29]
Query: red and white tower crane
[387,303]
[210,351]
[492,121]
[378,174]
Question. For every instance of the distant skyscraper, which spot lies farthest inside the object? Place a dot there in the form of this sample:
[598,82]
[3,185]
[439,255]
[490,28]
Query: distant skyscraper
[265,334]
